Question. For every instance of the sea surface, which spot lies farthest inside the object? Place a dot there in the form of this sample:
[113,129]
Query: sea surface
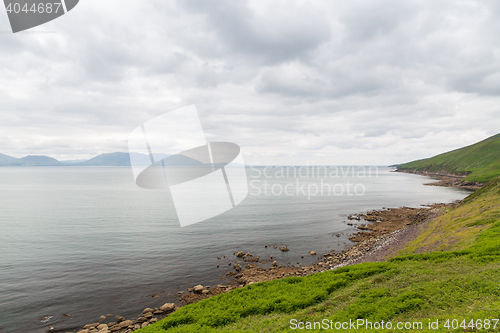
[86,241]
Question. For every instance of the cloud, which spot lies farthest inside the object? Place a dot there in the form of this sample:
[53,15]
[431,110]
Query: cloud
[275,36]
[370,82]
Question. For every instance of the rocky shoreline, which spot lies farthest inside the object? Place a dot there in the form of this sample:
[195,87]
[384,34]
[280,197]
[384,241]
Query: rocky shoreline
[447,180]
[380,233]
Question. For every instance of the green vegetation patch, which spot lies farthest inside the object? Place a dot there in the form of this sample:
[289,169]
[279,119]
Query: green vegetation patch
[285,296]
[480,161]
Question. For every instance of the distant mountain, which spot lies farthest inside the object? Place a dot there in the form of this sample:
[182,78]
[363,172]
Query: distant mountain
[479,162]
[31,160]
[6,159]
[109,159]
[123,159]
[181,160]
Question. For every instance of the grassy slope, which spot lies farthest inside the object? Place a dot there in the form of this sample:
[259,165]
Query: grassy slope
[460,279]
[481,159]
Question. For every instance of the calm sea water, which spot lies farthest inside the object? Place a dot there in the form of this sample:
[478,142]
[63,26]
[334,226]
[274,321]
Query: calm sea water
[86,241]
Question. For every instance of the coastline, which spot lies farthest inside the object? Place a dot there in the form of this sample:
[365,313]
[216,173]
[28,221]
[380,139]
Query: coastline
[446,180]
[381,234]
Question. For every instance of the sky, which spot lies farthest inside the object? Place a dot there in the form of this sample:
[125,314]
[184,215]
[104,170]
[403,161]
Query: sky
[290,82]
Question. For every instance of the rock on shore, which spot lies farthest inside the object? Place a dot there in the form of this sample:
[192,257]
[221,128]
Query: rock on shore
[147,317]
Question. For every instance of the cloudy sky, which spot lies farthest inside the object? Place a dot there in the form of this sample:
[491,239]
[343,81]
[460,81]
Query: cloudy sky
[329,82]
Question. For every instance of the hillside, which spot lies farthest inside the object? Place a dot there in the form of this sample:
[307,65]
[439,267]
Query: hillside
[123,159]
[5,159]
[449,272]
[480,162]
[31,160]
[110,159]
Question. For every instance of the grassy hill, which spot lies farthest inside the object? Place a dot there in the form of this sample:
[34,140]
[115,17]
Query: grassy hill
[450,272]
[480,162]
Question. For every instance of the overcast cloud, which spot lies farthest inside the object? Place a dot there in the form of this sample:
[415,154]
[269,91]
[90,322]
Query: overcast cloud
[364,82]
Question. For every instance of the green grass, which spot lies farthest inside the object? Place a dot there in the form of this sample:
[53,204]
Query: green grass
[458,280]
[480,161]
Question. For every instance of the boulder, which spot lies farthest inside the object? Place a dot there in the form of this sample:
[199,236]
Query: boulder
[153,320]
[125,323]
[144,324]
[102,317]
[247,255]
[102,326]
[237,267]
[120,319]
[115,328]
[312,253]
[148,315]
[167,307]
[198,289]
[146,310]
[83,331]
[205,292]
[140,320]
[284,248]
[240,254]
[89,326]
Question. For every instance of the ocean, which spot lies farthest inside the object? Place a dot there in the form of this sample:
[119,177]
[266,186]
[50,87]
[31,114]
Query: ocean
[86,241]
